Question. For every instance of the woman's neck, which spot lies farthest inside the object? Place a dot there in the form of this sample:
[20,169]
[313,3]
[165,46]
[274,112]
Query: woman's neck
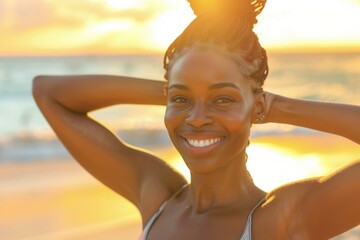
[221,188]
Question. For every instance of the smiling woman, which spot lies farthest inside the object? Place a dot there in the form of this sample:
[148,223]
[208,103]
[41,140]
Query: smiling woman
[215,72]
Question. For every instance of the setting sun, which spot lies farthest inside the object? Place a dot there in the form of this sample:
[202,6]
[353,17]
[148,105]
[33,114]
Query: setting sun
[166,26]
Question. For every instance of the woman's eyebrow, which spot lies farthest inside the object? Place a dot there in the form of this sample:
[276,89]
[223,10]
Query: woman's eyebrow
[224,85]
[178,86]
[212,87]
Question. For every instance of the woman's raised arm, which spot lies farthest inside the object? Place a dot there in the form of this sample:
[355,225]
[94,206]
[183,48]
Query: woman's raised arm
[85,93]
[65,101]
[335,118]
[329,205]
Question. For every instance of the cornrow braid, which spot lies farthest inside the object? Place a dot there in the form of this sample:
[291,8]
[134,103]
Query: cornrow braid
[231,32]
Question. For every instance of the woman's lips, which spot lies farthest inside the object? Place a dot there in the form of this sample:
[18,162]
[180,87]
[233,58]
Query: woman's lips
[201,144]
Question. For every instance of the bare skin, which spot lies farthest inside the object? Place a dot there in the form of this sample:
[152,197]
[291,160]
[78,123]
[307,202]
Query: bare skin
[207,98]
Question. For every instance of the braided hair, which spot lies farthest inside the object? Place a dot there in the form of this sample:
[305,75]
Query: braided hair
[225,24]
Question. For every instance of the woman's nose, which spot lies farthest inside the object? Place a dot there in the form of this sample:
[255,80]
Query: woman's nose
[199,115]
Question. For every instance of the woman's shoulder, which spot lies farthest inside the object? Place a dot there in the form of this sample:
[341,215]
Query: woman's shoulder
[287,198]
[283,205]
[293,189]
[154,195]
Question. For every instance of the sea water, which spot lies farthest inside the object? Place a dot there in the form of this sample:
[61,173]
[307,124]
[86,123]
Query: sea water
[25,134]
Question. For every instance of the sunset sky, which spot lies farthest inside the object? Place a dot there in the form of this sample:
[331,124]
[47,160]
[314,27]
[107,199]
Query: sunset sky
[53,27]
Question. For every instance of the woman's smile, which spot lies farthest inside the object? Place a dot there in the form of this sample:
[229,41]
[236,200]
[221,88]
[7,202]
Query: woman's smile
[201,143]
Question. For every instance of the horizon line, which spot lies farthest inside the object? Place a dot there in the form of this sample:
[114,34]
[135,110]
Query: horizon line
[271,50]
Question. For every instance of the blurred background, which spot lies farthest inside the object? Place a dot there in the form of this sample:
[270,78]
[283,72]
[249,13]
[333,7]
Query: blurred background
[314,53]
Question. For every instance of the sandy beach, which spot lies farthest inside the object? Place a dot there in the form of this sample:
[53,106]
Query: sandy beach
[57,199]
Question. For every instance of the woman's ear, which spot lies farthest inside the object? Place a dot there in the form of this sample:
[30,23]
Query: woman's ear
[259,108]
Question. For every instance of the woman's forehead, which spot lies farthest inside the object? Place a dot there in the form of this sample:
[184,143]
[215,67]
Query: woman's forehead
[207,68]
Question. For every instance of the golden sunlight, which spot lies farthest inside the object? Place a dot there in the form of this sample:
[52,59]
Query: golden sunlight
[166,26]
[320,25]
[272,166]
[98,29]
[124,4]
[277,160]
[180,165]
[123,26]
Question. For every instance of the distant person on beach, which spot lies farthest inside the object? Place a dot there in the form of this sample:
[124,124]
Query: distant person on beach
[215,71]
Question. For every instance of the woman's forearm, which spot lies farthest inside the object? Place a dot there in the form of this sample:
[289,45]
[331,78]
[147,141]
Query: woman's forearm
[339,119]
[85,93]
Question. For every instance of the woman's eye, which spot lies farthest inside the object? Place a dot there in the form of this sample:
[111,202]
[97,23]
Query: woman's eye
[179,99]
[224,100]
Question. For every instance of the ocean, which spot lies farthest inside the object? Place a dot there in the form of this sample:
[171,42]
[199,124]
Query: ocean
[26,136]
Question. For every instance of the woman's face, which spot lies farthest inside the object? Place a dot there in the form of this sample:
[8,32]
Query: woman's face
[210,108]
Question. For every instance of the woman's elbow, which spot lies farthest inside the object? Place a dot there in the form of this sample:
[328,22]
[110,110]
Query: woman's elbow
[40,87]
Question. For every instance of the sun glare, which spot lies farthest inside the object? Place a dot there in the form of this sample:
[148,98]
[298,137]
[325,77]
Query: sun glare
[272,167]
[165,27]
[124,4]
[107,27]
[180,165]
[328,24]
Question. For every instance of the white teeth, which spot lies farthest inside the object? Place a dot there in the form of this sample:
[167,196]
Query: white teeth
[203,143]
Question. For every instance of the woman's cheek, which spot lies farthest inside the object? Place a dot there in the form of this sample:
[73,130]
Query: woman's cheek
[237,120]
[172,118]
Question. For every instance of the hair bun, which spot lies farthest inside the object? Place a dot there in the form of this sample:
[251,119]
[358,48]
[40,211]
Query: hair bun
[246,9]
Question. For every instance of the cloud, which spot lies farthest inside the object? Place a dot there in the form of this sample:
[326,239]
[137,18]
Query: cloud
[26,15]
[2,8]
[68,25]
